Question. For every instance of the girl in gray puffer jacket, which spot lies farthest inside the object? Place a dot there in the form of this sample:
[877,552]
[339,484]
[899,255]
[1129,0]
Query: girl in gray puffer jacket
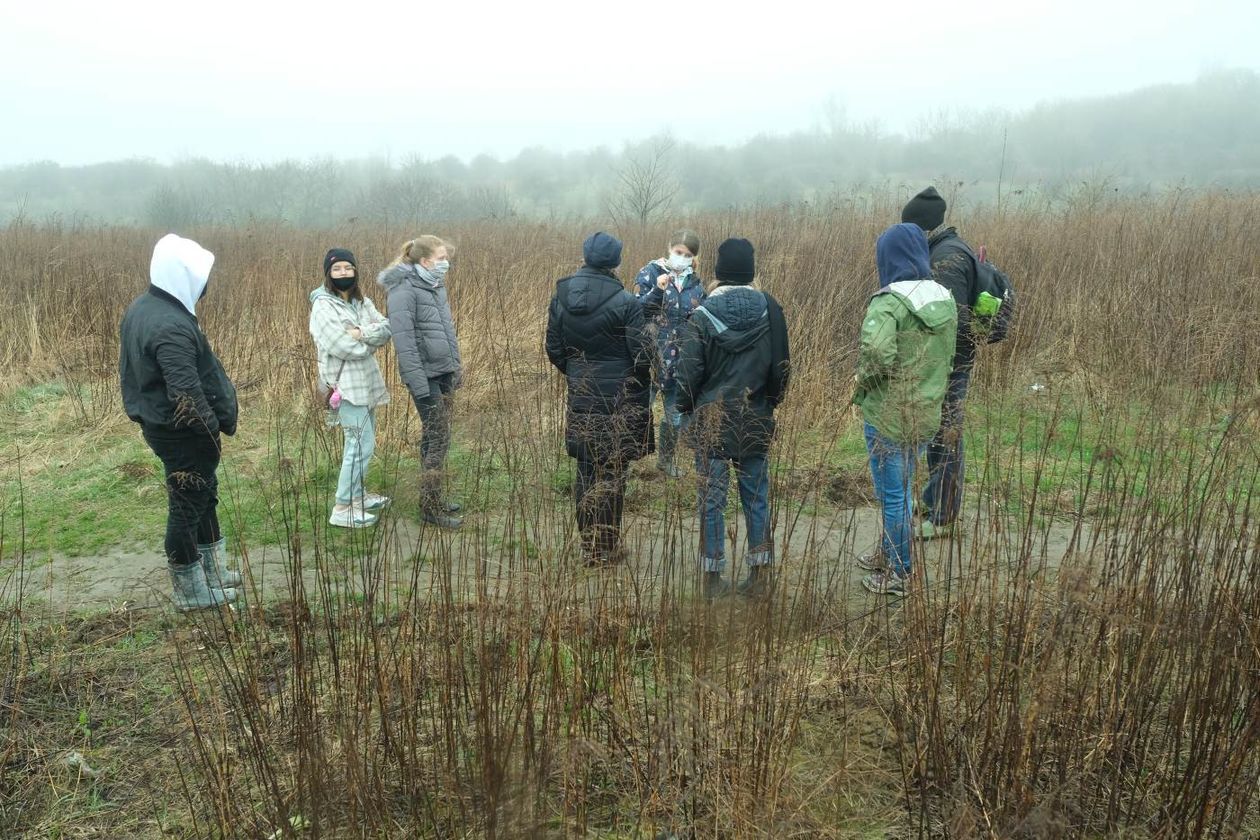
[428,359]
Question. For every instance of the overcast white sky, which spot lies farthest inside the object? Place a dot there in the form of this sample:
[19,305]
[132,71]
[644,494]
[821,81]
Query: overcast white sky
[237,80]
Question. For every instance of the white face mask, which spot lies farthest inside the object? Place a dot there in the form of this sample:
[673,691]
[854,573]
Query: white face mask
[680,263]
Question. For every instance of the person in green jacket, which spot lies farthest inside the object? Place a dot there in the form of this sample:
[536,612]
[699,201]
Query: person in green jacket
[907,351]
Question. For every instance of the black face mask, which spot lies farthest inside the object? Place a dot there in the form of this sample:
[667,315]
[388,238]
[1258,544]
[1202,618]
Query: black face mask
[344,284]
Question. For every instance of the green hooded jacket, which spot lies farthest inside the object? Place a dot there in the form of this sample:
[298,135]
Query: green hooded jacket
[907,352]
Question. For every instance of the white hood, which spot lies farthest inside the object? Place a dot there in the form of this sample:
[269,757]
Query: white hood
[181,268]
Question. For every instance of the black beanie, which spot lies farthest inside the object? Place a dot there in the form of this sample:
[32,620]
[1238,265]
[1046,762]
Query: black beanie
[336,255]
[735,264]
[927,209]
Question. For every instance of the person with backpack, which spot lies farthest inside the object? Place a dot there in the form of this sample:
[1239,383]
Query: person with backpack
[985,306]
[597,337]
[429,363]
[175,388]
[670,290]
[733,372]
[348,331]
[904,361]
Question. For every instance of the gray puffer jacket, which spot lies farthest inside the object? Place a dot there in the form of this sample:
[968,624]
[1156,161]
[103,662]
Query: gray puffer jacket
[424,331]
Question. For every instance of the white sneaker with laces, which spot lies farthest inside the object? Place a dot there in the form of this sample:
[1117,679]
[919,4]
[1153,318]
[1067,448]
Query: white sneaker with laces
[352,517]
[371,501]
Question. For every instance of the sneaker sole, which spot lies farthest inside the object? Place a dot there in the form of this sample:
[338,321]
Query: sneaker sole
[352,525]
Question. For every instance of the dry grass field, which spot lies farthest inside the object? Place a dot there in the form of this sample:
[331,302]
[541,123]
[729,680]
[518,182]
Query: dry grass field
[1084,662]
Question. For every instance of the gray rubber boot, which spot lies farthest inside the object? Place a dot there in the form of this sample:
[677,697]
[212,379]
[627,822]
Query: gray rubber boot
[715,586]
[218,575]
[668,434]
[191,591]
[758,584]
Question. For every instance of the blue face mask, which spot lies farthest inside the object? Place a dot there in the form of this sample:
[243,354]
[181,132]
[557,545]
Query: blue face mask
[440,268]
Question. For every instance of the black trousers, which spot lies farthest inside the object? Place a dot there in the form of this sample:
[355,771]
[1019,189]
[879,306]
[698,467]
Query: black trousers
[600,494]
[190,461]
[435,438]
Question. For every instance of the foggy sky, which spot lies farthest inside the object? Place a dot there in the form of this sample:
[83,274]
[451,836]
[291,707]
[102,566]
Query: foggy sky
[83,82]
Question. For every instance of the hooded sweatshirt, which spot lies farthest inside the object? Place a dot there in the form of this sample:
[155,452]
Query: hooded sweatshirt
[424,331]
[907,342]
[733,371]
[181,268]
[172,383]
[347,363]
[596,337]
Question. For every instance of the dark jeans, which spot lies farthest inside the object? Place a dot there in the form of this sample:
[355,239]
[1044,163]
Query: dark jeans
[753,476]
[435,437]
[600,494]
[190,462]
[943,496]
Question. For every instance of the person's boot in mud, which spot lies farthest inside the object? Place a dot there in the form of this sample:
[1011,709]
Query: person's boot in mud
[192,592]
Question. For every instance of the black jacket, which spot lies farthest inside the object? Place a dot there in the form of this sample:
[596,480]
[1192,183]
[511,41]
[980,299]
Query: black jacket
[596,337]
[171,380]
[954,267]
[734,371]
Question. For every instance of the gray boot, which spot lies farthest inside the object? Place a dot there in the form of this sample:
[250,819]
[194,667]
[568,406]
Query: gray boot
[665,452]
[218,575]
[715,586]
[192,592]
[758,583]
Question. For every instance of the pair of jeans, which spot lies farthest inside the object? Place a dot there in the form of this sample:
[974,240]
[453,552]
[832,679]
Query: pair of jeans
[600,493]
[435,437]
[892,470]
[942,498]
[358,423]
[753,477]
[671,419]
[190,461]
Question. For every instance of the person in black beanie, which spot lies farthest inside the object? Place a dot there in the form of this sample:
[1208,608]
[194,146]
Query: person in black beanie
[597,337]
[732,373]
[954,267]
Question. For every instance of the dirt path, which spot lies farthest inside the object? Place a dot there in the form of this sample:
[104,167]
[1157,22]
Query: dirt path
[821,548]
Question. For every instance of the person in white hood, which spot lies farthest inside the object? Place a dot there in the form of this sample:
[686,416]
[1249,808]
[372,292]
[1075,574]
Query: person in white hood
[174,387]
[348,330]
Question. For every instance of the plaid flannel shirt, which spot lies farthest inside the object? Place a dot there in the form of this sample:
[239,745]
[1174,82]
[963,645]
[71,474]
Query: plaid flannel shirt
[345,362]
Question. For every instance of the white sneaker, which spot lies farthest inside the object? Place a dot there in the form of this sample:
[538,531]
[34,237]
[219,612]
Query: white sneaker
[352,518]
[371,501]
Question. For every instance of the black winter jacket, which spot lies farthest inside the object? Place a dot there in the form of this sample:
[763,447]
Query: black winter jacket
[954,267]
[171,380]
[734,371]
[597,337]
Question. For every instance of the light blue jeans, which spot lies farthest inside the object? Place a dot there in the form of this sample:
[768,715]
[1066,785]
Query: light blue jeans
[892,469]
[359,424]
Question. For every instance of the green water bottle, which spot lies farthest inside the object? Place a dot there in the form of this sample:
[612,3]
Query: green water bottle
[987,305]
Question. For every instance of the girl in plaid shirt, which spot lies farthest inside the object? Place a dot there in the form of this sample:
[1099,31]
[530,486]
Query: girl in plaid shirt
[348,330]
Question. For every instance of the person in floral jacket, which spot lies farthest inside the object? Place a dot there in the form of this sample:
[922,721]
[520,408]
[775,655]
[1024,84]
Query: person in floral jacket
[669,290]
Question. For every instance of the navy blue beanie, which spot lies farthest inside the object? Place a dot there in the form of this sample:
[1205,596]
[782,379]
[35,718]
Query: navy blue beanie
[602,250]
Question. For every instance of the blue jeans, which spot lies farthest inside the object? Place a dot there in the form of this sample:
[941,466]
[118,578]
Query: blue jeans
[942,498]
[359,424]
[753,475]
[892,468]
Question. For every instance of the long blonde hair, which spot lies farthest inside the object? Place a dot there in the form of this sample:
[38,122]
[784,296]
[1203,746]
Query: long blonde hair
[422,248]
